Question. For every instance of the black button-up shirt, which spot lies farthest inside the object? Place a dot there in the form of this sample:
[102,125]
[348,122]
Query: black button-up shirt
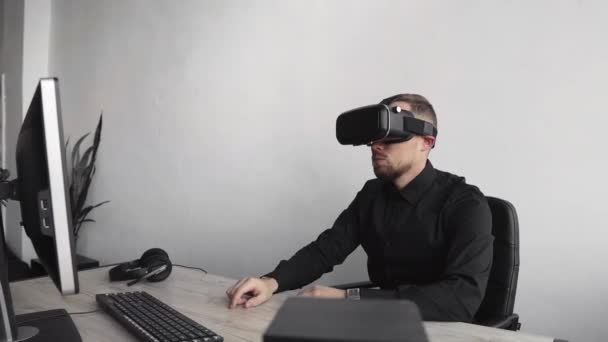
[430,242]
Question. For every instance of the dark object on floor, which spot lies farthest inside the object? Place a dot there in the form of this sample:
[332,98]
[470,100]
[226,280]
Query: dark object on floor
[84,263]
[52,325]
[17,269]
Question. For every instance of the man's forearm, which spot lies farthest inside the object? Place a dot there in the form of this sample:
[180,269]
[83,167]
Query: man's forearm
[302,269]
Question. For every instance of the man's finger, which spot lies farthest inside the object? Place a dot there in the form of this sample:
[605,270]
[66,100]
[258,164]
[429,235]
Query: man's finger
[254,301]
[246,287]
[238,284]
[240,301]
[230,288]
[233,288]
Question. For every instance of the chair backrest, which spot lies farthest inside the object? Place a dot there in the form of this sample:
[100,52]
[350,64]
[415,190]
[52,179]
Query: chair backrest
[502,284]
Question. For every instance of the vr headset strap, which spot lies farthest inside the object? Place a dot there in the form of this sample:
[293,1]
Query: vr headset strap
[418,126]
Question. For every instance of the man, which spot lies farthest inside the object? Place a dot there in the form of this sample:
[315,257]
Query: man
[427,235]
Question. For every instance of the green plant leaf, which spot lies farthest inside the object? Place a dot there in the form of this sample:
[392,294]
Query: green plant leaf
[97,138]
[84,161]
[100,204]
[91,207]
[83,169]
[76,150]
[86,210]
[84,183]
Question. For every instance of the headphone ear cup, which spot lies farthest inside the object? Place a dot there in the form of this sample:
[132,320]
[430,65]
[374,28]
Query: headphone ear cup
[153,259]
[153,252]
[162,275]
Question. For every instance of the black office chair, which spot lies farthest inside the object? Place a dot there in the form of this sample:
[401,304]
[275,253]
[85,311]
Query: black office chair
[496,309]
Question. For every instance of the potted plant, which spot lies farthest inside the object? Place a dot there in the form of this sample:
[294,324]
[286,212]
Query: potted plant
[81,176]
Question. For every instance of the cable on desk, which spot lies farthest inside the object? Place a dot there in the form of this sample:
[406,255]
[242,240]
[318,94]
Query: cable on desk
[83,312]
[190,267]
[98,310]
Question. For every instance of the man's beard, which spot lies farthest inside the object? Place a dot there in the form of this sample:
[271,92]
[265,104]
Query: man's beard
[389,172]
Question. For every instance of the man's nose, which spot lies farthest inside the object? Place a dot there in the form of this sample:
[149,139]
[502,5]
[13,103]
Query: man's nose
[378,146]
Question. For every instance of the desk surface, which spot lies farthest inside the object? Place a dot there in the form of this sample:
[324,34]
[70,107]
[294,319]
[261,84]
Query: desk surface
[201,297]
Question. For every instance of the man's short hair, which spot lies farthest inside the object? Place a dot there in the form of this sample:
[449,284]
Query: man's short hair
[421,107]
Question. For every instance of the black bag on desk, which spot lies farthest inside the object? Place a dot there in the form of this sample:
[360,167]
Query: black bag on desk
[339,320]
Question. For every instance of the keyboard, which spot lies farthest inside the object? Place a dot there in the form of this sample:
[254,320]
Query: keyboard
[152,320]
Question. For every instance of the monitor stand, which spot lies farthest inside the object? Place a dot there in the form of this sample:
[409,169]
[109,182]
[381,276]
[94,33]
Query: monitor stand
[52,325]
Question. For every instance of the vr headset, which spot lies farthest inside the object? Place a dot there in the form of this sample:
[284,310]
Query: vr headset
[380,123]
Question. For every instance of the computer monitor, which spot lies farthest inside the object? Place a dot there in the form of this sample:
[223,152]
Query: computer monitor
[42,189]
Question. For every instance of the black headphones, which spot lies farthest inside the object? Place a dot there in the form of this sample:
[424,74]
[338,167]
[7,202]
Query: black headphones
[154,265]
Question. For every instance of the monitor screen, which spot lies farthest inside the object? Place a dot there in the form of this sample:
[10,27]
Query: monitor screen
[44,188]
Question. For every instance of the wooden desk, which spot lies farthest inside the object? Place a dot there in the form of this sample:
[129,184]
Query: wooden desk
[201,297]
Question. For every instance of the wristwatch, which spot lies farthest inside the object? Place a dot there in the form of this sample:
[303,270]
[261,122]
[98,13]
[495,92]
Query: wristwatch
[353,294]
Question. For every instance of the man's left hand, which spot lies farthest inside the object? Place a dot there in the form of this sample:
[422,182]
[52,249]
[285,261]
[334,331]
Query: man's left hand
[319,291]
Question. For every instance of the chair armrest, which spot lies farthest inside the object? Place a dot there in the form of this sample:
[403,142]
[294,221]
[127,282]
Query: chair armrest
[361,284]
[510,322]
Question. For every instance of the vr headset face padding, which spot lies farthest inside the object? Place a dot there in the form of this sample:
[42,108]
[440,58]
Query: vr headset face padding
[149,261]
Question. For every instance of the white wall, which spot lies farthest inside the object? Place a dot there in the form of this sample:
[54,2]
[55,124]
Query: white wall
[25,50]
[36,37]
[12,67]
[2,20]
[218,141]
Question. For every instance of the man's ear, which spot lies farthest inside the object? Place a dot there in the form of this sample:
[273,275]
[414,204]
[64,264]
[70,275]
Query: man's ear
[427,143]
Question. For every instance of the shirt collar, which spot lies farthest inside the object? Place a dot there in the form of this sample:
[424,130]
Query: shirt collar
[415,189]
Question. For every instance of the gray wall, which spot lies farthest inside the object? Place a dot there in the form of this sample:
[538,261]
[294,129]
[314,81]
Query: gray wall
[25,58]
[219,142]
[12,67]
[2,32]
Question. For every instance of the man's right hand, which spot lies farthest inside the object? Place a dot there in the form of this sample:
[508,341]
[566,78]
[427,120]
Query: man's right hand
[251,292]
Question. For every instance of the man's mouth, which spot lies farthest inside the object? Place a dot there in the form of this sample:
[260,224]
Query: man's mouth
[378,157]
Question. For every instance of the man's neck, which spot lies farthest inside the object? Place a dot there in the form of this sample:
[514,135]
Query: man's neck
[405,179]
